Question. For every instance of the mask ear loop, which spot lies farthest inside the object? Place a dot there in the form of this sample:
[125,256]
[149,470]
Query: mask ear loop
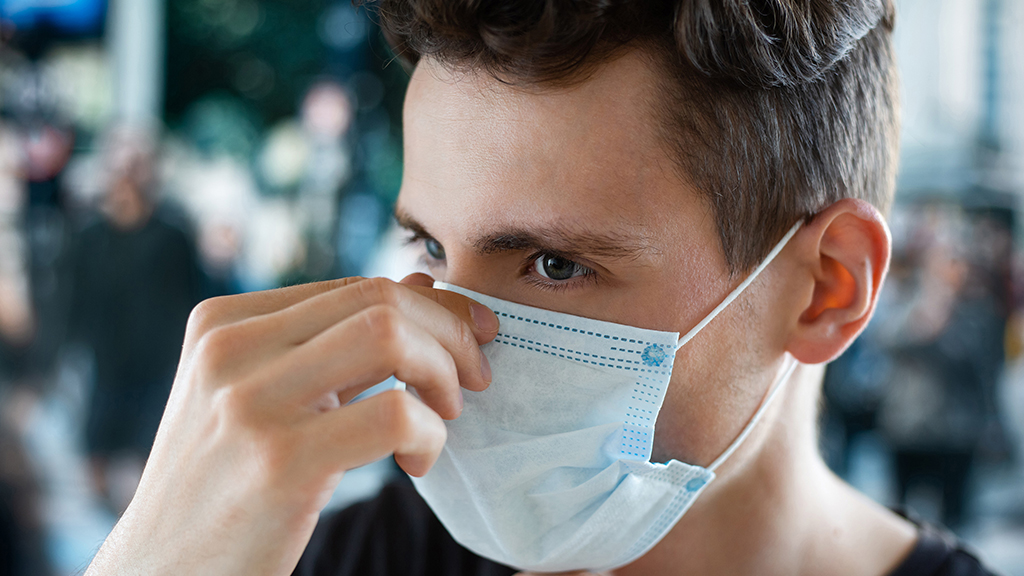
[743,286]
[772,393]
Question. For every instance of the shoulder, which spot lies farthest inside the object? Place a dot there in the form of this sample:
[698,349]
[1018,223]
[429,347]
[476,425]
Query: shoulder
[939,553]
[393,534]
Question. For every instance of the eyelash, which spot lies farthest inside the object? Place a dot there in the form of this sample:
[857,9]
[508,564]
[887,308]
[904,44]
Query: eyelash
[525,269]
[414,238]
[588,276]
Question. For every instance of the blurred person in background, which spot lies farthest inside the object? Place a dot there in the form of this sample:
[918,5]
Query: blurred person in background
[944,337]
[21,531]
[17,318]
[135,277]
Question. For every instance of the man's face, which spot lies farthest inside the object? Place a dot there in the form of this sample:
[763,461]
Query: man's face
[568,199]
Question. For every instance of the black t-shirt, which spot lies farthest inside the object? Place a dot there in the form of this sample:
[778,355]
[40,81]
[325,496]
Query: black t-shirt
[396,534]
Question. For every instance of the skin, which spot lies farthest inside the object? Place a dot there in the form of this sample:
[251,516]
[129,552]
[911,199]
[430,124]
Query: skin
[126,206]
[254,441]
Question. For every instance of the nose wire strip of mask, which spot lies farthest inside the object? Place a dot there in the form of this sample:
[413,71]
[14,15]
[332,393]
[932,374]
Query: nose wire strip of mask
[743,286]
[776,386]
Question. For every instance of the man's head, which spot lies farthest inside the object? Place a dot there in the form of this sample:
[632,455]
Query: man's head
[128,160]
[626,163]
[771,109]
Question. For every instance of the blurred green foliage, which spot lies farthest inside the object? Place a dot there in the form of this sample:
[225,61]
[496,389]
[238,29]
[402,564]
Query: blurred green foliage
[263,52]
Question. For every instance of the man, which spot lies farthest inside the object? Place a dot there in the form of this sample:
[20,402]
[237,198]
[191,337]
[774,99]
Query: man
[627,162]
[134,278]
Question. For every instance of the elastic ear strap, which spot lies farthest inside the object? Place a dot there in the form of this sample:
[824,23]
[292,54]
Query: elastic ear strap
[772,393]
[743,286]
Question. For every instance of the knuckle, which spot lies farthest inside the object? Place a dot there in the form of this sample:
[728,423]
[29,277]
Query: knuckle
[215,350]
[204,315]
[337,283]
[384,326]
[278,455]
[450,371]
[464,338]
[325,286]
[211,313]
[234,403]
[380,290]
[396,414]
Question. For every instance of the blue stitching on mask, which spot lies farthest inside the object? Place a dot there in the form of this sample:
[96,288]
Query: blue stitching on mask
[639,436]
[642,393]
[635,442]
[535,343]
[638,416]
[653,355]
[503,339]
[560,327]
[681,500]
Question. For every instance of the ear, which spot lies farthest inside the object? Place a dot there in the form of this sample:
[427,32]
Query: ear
[845,252]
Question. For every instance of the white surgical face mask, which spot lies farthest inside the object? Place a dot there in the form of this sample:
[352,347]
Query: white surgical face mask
[549,468]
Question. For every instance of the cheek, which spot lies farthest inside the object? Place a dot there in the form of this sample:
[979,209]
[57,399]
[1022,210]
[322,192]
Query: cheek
[711,397]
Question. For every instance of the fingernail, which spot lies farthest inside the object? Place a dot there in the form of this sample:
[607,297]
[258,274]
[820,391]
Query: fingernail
[485,367]
[462,401]
[485,320]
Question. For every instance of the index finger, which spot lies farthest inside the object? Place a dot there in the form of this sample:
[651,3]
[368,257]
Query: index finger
[482,318]
[224,310]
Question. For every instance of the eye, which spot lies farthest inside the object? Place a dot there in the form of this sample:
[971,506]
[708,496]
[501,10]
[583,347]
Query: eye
[558,268]
[434,249]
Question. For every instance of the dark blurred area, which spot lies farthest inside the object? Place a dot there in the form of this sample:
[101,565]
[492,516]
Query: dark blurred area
[153,154]
[925,411]
[926,381]
[156,153]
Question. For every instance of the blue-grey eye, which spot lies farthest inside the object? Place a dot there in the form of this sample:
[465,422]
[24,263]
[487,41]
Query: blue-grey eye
[434,248]
[558,268]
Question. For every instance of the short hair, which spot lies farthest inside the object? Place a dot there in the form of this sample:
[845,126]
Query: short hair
[773,109]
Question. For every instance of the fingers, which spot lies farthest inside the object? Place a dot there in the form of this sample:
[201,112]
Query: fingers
[308,318]
[418,279]
[346,336]
[458,323]
[482,318]
[363,350]
[391,422]
[221,311]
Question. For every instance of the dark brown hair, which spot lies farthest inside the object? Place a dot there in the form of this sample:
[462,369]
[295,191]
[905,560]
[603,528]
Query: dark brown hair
[775,108]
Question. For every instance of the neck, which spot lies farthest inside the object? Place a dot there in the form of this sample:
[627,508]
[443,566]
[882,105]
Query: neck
[775,508]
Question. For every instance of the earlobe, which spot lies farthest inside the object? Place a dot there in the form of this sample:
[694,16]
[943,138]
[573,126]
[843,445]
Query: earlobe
[846,250]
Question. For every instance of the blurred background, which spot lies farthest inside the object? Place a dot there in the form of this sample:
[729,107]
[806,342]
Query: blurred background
[155,153]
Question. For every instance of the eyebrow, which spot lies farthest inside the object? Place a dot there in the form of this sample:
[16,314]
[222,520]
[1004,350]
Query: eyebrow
[557,240]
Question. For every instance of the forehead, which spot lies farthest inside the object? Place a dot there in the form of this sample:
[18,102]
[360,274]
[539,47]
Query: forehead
[616,100]
[592,145]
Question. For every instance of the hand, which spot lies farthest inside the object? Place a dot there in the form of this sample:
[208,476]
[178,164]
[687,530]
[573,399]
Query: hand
[257,433]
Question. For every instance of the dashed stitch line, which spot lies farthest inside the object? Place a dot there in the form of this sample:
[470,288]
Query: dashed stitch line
[642,393]
[634,433]
[535,343]
[502,339]
[638,417]
[568,329]
[627,351]
[681,500]
[527,340]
